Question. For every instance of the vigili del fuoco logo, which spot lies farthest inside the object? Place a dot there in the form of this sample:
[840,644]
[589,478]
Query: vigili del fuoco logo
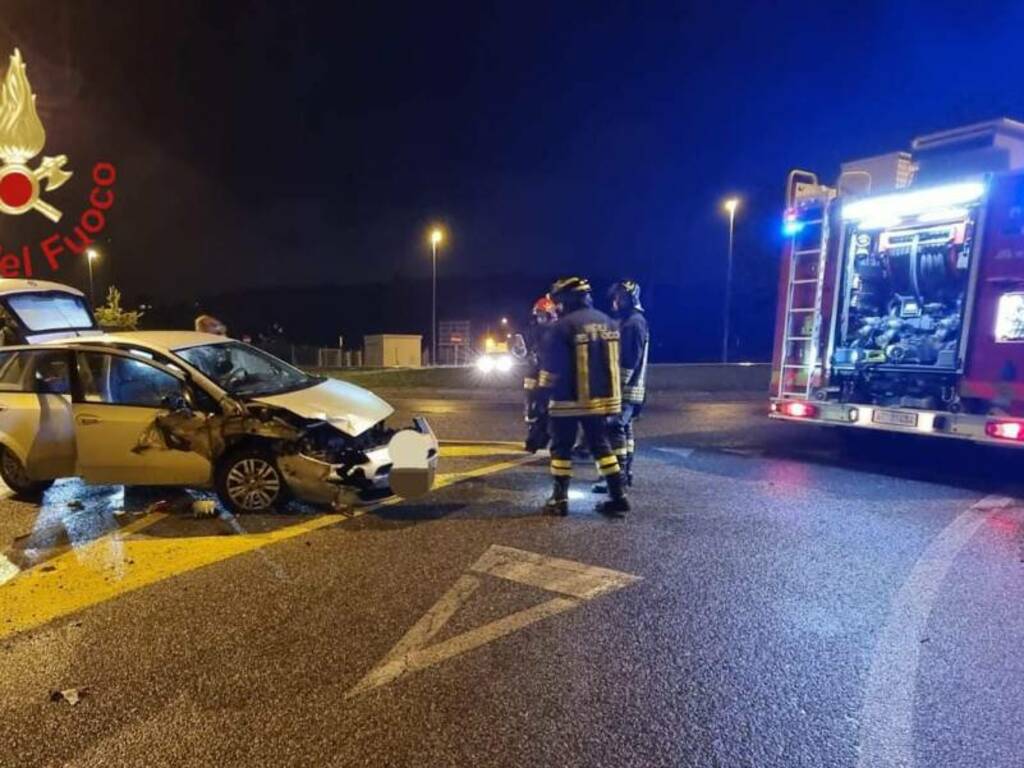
[23,189]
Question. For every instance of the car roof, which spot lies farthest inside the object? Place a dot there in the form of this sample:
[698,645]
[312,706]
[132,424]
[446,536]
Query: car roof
[162,340]
[21,285]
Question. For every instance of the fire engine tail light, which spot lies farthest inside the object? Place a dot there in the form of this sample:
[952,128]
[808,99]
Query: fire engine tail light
[796,409]
[1005,430]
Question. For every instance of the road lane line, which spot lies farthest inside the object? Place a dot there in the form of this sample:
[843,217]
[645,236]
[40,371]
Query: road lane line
[503,443]
[97,572]
[483,449]
[552,574]
[683,453]
[887,714]
[574,582]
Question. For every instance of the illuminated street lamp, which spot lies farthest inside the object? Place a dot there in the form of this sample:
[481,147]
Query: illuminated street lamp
[90,256]
[730,207]
[436,236]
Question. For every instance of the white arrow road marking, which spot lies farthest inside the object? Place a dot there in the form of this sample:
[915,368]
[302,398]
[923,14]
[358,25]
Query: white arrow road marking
[683,453]
[575,583]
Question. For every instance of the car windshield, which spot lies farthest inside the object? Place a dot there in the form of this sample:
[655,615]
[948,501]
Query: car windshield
[246,371]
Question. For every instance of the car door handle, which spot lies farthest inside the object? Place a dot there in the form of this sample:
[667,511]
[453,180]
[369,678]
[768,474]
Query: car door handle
[86,420]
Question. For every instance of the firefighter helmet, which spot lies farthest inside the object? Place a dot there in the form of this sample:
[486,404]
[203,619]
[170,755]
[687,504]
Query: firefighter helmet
[544,309]
[568,286]
[626,293]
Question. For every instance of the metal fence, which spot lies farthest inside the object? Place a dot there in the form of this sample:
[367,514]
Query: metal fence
[308,356]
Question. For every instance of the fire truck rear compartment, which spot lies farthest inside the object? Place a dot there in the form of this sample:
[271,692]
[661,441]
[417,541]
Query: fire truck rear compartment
[901,314]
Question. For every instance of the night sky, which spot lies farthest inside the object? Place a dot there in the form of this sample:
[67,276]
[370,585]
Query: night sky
[265,143]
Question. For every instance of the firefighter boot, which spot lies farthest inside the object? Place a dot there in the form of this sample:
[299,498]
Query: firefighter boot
[618,504]
[558,503]
[626,463]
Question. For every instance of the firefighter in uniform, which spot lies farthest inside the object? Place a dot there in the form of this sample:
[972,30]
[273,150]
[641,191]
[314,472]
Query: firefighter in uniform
[536,407]
[634,345]
[580,377]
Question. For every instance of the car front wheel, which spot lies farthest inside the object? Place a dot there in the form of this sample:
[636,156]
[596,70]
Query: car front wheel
[248,480]
[16,476]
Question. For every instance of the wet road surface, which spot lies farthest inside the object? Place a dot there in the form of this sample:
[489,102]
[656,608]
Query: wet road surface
[780,596]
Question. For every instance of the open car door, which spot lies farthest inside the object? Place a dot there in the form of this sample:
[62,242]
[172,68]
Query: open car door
[35,409]
[118,397]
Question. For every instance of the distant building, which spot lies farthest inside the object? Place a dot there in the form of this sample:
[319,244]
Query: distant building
[393,350]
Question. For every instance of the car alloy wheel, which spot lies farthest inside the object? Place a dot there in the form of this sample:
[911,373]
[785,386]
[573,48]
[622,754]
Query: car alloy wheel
[14,470]
[253,484]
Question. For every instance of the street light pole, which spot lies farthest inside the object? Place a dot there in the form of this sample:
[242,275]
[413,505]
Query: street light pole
[90,256]
[730,206]
[436,236]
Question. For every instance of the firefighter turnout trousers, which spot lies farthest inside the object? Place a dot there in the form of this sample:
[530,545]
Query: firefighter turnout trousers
[563,438]
[621,437]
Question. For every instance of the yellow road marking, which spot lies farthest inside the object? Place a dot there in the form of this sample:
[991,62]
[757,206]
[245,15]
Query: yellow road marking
[460,451]
[465,448]
[500,443]
[117,563]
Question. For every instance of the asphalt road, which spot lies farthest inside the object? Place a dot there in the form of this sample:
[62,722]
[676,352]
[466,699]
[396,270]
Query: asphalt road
[778,597]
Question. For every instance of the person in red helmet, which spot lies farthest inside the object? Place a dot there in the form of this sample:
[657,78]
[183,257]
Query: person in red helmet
[536,411]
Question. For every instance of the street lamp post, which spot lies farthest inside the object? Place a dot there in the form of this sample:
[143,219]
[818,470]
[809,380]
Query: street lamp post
[730,206]
[91,256]
[436,236]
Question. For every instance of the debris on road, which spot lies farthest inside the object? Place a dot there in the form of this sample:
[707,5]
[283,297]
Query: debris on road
[159,506]
[204,508]
[71,696]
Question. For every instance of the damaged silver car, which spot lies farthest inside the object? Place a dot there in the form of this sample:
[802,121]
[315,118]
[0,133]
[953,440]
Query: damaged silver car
[187,409]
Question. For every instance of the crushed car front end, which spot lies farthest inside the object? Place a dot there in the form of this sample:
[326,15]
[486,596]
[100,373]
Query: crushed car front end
[327,466]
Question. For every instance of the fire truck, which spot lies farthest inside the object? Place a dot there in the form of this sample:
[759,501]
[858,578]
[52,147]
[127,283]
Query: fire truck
[901,291]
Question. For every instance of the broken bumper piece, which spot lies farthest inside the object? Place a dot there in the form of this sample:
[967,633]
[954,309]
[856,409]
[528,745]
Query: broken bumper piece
[340,486]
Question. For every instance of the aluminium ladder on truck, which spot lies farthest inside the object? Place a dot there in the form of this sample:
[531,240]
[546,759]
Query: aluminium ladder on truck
[808,245]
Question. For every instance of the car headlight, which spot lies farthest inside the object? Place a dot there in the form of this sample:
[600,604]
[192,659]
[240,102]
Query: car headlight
[485,364]
[504,363]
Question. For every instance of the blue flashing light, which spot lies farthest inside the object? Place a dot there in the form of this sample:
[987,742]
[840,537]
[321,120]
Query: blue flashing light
[792,226]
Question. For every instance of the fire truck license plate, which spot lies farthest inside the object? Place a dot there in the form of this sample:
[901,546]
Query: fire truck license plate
[895,418]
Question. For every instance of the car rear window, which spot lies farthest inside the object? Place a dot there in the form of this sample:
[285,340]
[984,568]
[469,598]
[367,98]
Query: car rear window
[50,311]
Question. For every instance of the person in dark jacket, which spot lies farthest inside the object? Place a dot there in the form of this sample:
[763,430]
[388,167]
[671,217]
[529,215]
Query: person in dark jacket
[529,349]
[580,378]
[634,346]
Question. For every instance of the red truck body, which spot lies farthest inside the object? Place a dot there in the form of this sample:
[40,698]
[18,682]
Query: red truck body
[901,304]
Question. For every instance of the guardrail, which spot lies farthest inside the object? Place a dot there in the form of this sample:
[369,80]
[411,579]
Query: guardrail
[710,377]
[698,377]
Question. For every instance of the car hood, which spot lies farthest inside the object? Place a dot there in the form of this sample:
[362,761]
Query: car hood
[349,408]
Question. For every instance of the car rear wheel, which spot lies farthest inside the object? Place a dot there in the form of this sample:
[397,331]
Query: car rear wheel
[16,476]
[248,480]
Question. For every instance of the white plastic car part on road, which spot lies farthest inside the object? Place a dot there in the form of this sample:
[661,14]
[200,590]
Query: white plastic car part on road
[414,462]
